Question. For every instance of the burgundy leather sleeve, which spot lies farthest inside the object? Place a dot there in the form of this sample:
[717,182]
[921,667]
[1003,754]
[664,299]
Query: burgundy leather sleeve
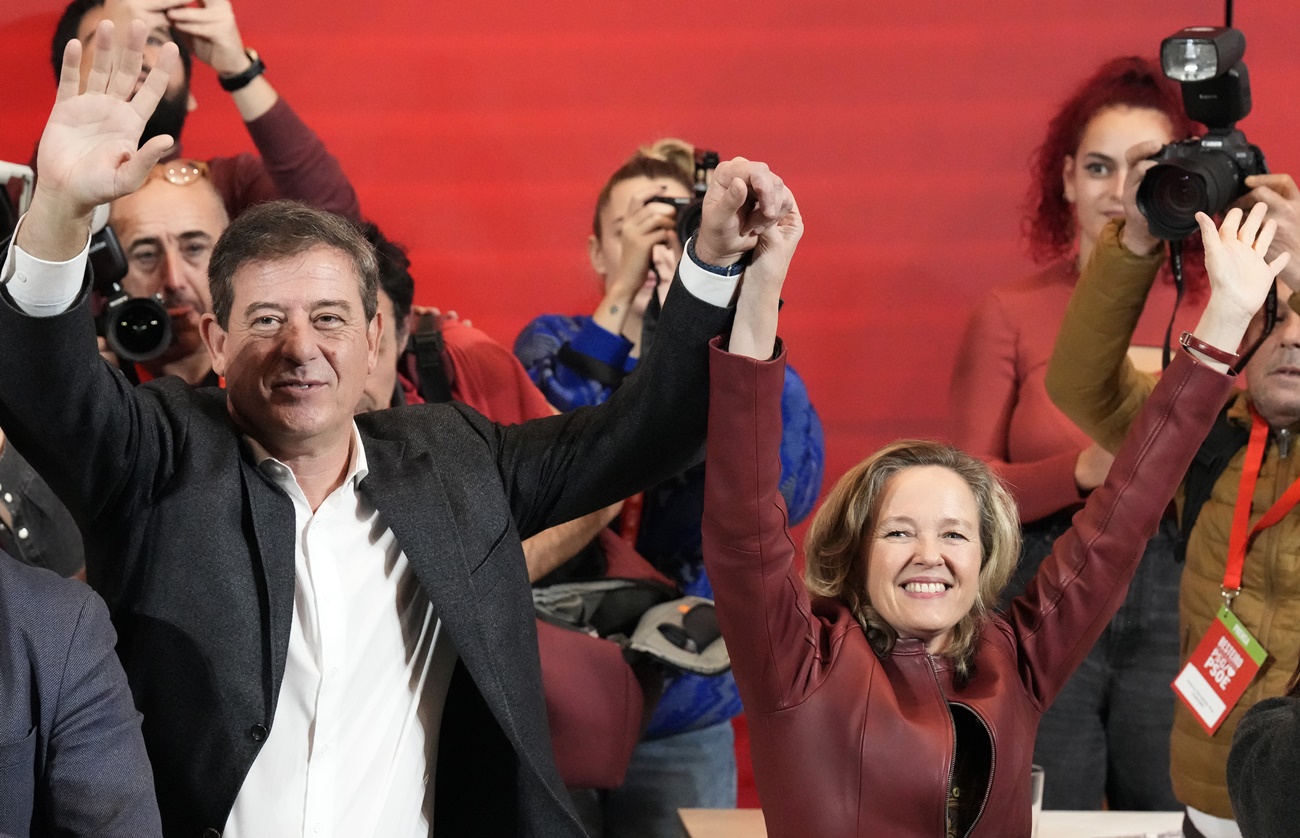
[763,608]
[1081,585]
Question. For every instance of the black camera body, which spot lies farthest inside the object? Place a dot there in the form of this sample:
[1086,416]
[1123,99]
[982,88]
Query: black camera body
[1197,175]
[689,213]
[691,210]
[136,328]
[1209,173]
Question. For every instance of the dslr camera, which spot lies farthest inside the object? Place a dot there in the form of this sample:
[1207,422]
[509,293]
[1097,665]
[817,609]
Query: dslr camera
[1209,173]
[691,210]
[136,328]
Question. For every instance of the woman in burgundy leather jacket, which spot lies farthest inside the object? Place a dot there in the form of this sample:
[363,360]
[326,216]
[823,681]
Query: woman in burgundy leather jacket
[891,700]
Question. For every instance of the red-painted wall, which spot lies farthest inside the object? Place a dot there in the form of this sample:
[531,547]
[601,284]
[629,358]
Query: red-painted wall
[479,133]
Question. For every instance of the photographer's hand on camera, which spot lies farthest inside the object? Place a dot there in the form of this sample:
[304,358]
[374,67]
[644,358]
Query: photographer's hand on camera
[1280,193]
[212,33]
[647,238]
[1136,235]
[122,12]
[743,201]
[88,153]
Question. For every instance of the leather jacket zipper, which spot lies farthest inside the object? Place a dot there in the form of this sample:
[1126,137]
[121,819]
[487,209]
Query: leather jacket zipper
[952,757]
[993,763]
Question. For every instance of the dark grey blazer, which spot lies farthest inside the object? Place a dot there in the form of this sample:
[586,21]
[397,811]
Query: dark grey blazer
[193,549]
[72,761]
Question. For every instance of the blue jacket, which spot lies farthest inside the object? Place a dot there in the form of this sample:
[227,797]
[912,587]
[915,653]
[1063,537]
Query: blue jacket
[72,761]
[670,526]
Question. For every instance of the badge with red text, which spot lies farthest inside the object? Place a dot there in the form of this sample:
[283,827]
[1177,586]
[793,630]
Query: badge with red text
[1219,671]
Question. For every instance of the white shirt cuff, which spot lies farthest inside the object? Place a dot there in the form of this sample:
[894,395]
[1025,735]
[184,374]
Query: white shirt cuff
[40,288]
[706,286]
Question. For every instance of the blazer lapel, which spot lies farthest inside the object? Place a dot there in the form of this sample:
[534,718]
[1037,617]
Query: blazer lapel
[273,522]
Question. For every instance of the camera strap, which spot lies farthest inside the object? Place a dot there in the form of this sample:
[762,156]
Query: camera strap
[1176,267]
[1270,320]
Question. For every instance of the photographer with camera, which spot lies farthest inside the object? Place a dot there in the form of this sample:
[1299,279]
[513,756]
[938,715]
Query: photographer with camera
[293,163]
[1105,738]
[167,229]
[1239,571]
[686,757]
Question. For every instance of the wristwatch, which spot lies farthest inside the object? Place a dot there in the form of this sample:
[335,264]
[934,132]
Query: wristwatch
[232,83]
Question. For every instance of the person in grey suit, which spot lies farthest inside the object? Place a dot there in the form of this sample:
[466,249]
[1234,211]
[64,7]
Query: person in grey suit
[72,761]
[327,623]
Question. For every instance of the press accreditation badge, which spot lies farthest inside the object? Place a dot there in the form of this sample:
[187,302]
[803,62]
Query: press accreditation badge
[1219,671]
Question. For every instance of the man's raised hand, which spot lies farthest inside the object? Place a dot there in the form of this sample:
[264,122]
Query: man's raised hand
[88,153]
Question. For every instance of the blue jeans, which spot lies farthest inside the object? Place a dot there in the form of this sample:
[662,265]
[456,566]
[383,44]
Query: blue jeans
[1107,734]
[696,769]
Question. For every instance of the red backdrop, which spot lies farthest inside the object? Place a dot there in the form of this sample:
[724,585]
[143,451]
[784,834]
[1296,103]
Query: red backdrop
[479,134]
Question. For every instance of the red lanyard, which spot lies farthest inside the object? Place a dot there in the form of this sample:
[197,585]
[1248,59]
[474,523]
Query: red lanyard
[1242,533]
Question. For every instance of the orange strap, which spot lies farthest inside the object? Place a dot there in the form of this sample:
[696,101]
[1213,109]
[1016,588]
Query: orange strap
[629,520]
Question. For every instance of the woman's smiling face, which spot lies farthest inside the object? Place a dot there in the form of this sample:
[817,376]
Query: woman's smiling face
[924,554]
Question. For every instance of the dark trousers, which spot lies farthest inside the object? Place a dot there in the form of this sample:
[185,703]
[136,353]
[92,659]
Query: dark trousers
[1107,734]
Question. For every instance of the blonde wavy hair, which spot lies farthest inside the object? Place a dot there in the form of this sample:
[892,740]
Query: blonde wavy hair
[837,543]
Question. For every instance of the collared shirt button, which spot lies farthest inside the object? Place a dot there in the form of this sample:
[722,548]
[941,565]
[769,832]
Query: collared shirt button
[258,732]
[22,532]
[9,498]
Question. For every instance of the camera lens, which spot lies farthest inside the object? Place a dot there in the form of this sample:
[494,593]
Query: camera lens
[138,329]
[1179,193]
[1173,192]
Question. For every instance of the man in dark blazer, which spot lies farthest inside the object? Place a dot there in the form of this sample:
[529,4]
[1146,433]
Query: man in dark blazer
[192,501]
[72,761]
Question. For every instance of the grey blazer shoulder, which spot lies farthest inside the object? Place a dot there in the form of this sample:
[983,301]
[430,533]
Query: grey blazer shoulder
[72,761]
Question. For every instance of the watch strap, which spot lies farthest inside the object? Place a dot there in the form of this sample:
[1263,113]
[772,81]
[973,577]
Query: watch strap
[729,270]
[232,83]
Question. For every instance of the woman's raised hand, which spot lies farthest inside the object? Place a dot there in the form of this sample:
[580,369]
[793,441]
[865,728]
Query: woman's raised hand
[1236,260]
[753,332]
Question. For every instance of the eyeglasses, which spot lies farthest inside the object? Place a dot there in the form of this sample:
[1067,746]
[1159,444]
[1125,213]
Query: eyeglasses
[181,172]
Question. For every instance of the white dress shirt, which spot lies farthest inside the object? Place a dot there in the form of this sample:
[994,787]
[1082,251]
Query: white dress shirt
[350,751]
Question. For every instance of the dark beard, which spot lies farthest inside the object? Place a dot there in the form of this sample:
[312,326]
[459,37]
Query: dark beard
[169,117]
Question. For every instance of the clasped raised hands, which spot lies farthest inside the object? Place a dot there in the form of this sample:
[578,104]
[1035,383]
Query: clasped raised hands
[88,153]
[744,200]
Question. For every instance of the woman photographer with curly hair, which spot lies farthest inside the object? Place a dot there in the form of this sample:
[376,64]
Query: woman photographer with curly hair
[885,694]
[1107,735]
